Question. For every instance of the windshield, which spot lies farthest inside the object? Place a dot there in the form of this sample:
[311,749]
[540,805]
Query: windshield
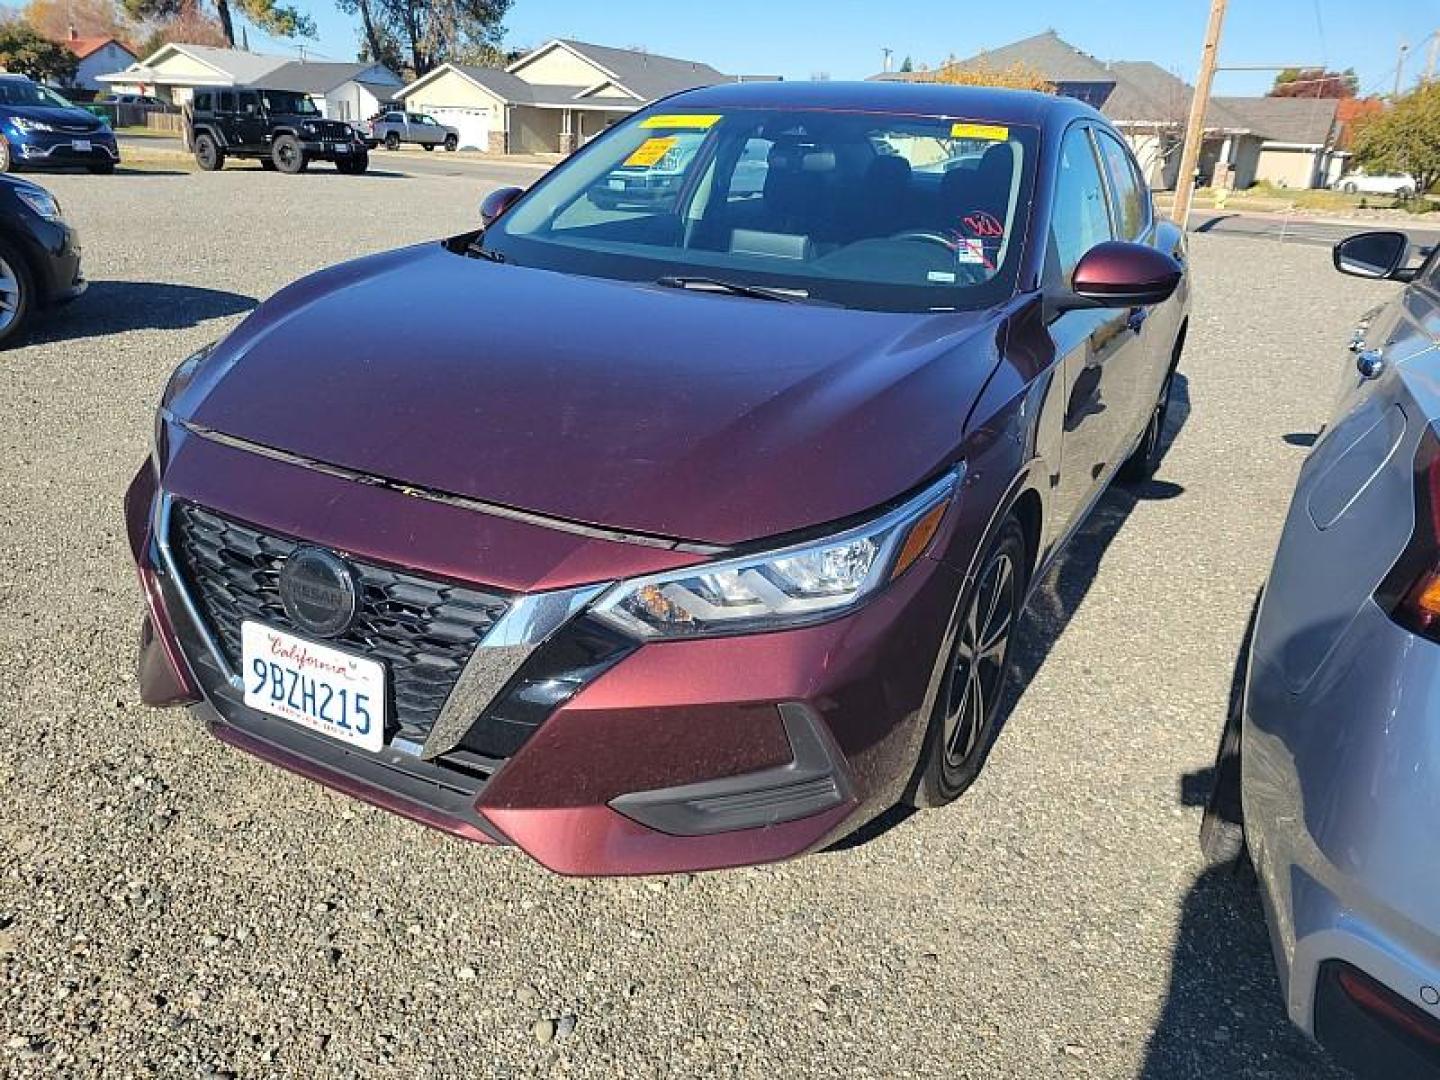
[868,210]
[24,92]
[289,103]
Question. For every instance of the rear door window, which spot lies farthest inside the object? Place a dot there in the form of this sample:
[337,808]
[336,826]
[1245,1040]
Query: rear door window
[1130,202]
[227,101]
[202,102]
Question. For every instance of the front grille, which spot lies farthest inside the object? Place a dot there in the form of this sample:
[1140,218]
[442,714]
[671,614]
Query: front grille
[77,129]
[330,129]
[422,630]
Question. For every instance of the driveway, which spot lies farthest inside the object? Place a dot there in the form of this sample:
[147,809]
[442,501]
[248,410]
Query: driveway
[171,907]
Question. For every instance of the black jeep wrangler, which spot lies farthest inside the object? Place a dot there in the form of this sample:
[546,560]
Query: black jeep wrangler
[281,128]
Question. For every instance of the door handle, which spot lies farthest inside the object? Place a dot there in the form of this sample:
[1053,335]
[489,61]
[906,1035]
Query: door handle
[1137,319]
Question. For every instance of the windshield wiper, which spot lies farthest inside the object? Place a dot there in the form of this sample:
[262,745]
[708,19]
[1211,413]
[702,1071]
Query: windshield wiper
[708,284]
[475,251]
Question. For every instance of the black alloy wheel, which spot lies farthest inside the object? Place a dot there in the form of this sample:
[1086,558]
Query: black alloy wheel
[451,143]
[288,156]
[392,141]
[967,708]
[17,292]
[208,155]
[1140,466]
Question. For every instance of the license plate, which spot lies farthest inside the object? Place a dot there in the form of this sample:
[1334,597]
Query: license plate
[326,690]
[80,145]
[342,148]
[617,185]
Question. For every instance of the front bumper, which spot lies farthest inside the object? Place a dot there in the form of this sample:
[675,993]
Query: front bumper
[1341,792]
[680,756]
[46,148]
[331,150]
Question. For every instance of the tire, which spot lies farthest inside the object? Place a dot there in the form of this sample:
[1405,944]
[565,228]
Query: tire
[101,168]
[208,154]
[17,293]
[358,164]
[267,164]
[427,147]
[1140,466]
[7,160]
[451,143]
[392,141]
[1349,189]
[287,155]
[965,717]
[1222,826]
[1405,193]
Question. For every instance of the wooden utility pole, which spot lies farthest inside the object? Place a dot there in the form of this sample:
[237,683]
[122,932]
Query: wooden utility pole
[1195,126]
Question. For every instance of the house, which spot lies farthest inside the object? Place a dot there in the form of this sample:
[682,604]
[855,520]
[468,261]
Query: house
[1288,142]
[1299,138]
[172,72]
[97,56]
[340,91]
[553,98]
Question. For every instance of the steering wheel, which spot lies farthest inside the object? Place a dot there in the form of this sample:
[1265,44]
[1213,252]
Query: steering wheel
[929,236]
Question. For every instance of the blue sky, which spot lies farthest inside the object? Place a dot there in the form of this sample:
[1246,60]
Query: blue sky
[798,38]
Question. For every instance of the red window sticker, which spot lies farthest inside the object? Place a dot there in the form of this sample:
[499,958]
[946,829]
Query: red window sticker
[983,224]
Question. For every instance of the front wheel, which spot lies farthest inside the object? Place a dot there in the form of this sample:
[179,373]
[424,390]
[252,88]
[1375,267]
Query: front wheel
[1349,189]
[1140,466]
[208,154]
[967,711]
[451,142]
[427,147]
[17,293]
[288,155]
[392,141]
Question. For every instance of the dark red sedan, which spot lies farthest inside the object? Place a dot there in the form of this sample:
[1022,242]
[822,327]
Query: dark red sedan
[675,534]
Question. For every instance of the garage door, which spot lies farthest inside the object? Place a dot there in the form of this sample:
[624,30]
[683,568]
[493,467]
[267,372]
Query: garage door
[473,125]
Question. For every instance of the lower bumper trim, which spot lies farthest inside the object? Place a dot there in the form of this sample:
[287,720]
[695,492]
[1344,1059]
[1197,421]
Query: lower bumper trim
[811,783]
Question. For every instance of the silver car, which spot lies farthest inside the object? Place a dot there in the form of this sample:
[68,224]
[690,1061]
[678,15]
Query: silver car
[1329,768]
[395,127]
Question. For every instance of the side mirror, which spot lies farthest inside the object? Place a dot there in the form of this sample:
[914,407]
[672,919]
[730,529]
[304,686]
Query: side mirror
[1121,274]
[496,203]
[1379,254]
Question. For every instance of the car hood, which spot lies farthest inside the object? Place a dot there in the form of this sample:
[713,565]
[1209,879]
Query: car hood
[54,114]
[677,414]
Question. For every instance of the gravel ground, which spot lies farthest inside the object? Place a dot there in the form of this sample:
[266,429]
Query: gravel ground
[171,907]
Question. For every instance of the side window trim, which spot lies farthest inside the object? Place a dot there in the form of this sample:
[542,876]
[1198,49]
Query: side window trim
[1089,137]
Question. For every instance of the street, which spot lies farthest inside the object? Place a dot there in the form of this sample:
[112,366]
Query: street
[172,907]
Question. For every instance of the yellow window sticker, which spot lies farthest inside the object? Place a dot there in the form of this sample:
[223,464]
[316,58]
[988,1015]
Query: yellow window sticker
[684,121]
[651,151]
[989,132]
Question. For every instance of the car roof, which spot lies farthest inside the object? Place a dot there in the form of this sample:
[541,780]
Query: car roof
[923,99]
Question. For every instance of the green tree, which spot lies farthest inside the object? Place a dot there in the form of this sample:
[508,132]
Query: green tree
[908,65]
[271,16]
[431,32]
[1405,138]
[25,50]
[1316,83]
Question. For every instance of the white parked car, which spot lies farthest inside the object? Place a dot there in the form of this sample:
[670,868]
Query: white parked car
[1398,184]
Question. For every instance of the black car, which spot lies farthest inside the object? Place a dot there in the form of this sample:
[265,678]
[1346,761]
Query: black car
[281,129]
[39,254]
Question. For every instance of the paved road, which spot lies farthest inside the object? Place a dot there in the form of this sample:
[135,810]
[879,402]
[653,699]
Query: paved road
[1304,228]
[169,907]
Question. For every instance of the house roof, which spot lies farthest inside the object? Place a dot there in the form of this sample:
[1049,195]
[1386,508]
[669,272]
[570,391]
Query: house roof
[230,65]
[1145,93]
[647,75]
[382,92]
[313,78]
[85,46]
[1048,53]
[1303,121]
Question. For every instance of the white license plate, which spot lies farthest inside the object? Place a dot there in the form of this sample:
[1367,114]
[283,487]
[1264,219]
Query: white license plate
[327,690]
[342,148]
[617,185]
[81,145]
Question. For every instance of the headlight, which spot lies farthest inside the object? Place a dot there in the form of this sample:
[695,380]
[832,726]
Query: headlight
[24,124]
[307,128]
[780,589]
[41,201]
[180,378]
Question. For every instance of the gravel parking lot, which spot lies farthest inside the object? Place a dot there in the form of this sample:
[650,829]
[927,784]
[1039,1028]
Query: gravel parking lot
[170,907]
